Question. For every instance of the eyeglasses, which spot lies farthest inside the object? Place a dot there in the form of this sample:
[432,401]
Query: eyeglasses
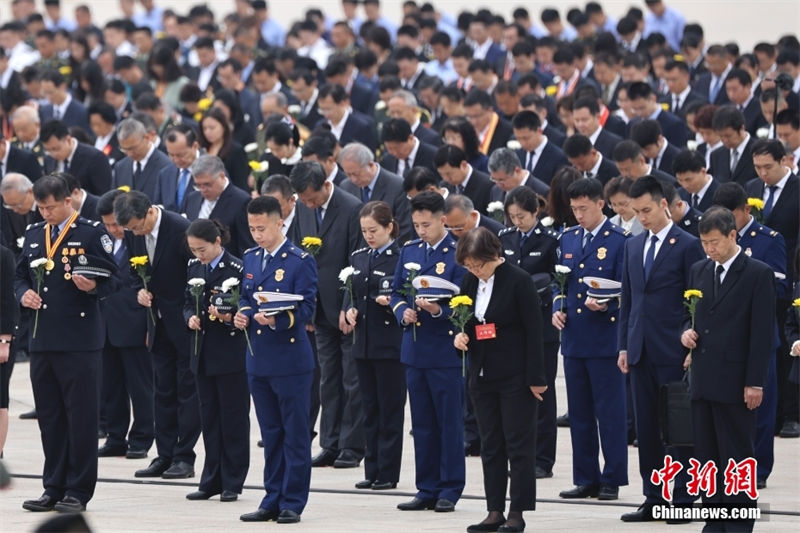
[454,228]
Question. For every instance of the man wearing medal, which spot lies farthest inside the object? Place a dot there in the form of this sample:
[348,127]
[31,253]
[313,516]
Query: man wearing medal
[65,342]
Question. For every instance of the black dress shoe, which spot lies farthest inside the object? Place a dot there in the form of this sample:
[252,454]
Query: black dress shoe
[110,451]
[30,415]
[366,484]
[156,468]
[444,506]
[563,421]
[259,515]
[643,514]
[324,458]
[790,430]
[473,449]
[136,454]
[69,504]
[581,491]
[44,503]
[512,528]
[541,473]
[347,459]
[288,517]
[479,528]
[417,504]
[607,492]
[384,485]
[200,495]
[228,496]
[179,470]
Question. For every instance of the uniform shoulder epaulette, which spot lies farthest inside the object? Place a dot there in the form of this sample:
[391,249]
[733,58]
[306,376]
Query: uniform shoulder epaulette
[619,229]
[360,250]
[412,242]
[250,250]
[236,263]
[299,252]
[506,231]
[36,225]
[576,227]
[193,261]
[550,232]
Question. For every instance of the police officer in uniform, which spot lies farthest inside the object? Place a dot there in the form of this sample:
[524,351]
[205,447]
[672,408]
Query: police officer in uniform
[281,366]
[376,346]
[218,364]
[433,368]
[534,247]
[595,386]
[67,342]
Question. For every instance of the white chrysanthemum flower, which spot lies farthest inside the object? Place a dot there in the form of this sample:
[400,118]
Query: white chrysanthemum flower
[345,273]
[252,147]
[196,282]
[36,263]
[762,133]
[691,145]
[412,266]
[229,283]
[561,269]
[547,221]
[513,144]
[494,206]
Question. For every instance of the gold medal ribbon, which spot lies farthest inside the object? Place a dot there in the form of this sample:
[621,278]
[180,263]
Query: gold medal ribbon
[50,250]
[487,139]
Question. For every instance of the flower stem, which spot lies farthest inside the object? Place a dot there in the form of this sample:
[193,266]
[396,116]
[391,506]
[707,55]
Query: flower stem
[196,312]
[36,321]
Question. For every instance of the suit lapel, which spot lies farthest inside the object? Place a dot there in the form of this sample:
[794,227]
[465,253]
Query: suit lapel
[730,278]
[164,232]
[666,247]
[330,213]
[636,268]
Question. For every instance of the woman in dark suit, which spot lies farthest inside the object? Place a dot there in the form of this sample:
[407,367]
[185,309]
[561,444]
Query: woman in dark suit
[506,375]
[376,347]
[216,138]
[218,365]
[534,247]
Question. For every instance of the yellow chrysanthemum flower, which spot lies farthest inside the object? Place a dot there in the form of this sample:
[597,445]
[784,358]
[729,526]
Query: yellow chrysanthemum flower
[204,103]
[66,70]
[311,241]
[796,302]
[679,58]
[693,293]
[254,165]
[124,188]
[551,90]
[457,301]
[139,260]
[758,203]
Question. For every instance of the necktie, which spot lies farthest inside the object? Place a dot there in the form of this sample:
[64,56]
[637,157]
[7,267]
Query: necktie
[407,166]
[205,209]
[522,240]
[676,104]
[695,200]
[589,174]
[66,165]
[365,194]
[587,238]
[54,231]
[120,253]
[650,258]
[770,203]
[718,279]
[734,159]
[373,255]
[428,252]
[265,260]
[459,189]
[606,93]
[56,113]
[531,156]
[318,211]
[137,173]
[712,95]
[150,243]
[184,179]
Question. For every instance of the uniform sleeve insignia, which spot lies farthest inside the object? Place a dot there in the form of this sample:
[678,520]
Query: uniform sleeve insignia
[108,246]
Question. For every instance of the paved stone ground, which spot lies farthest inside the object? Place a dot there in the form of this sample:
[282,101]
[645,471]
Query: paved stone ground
[124,503]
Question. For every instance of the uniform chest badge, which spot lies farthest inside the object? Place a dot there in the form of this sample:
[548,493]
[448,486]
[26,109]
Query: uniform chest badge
[601,253]
[440,268]
[82,260]
[749,252]
[279,274]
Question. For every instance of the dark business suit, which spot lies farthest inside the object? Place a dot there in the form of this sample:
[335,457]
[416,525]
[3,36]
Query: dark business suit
[424,158]
[312,116]
[388,188]
[75,115]
[689,99]
[606,142]
[167,189]
[538,186]
[89,165]
[127,365]
[673,128]
[147,181]
[23,162]
[753,119]
[538,255]
[177,412]
[608,169]
[478,189]
[219,368]
[650,326]
[667,158]
[428,135]
[706,201]
[721,165]
[501,371]
[554,135]
[735,327]
[702,85]
[363,97]
[112,151]
[502,134]
[376,350]
[231,211]
[550,161]
[357,128]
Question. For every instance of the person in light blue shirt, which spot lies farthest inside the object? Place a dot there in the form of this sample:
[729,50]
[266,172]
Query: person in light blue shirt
[271,30]
[54,21]
[441,65]
[372,9]
[664,20]
[150,17]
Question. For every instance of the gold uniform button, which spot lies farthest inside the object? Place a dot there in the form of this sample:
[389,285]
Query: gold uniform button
[578,295]
[450,332]
[258,332]
[418,323]
[579,311]
[291,340]
[580,266]
[613,319]
[259,288]
[580,280]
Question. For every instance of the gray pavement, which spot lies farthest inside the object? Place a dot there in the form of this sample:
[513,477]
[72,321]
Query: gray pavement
[124,503]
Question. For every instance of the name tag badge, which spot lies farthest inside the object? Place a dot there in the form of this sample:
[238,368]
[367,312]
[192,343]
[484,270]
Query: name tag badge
[485,331]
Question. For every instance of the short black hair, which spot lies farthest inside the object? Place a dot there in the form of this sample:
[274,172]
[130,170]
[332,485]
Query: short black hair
[428,201]
[585,188]
[307,174]
[640,89]
[717,218]
[183,128]
[478,97]
[577,145]
[405,53]
[626,150]
[53,76]
[450,155]
[208,230]
[688,161]
[740,75]
[617,185]
[788,116]
[526,119]
[564,55]
[105,205]
[647,185]
[128,206]
[320,146]
[727,116]
[264,205]
[53,128]
[525,198]
[396,130]
[588,103]
[104,110]
[148,102]
[51,185]
[730,195]
[480,65]
[335,91]
[772,147]
[646,132]
[419,178]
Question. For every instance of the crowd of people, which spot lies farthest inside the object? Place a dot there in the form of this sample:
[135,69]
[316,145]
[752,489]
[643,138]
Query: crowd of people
[204,210]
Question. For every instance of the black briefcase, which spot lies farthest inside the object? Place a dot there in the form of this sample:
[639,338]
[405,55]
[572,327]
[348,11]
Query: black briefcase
[675,413]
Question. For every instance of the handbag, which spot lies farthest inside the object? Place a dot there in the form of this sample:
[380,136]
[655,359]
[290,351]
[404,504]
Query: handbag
[675,413]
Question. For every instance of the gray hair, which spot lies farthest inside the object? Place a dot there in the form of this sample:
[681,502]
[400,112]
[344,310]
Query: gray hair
[504,160]
[130,127]
[280,99]
[26,113]
[460,202]
[14,181]
[356,152]
[407,96]
[210,165]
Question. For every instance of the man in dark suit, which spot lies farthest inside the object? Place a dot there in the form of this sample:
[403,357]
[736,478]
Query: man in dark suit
[229,74]
[537,154]
[66,154]
[630,160]
[644,105]
[680,94]
[321,148]
[733,161]
[141,167]
[410,71]
[697,185]
[586,158]
[540,105]
[733,328]
[586,116]
[684,215]
[738,85]
[83,202]
[507,174]
[711,85]
[460,216]
[14,159]
[26,124]
[369,182]
[160,236]
[565,68]
[336,212]
[216,199]
[460,178]
[339,70]
[346,124]
[175,181]
[127,365]
[304,89]
[493,132]
[19,209]
[403,150]
[659,152]
[62,105]
[655,273]
[403,104]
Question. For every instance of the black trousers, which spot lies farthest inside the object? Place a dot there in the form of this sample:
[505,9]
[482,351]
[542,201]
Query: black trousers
[383,398]
[65,391]
[177,411]
[507,413]
[128,384]
[314,386]
[225,414]
[547,430]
